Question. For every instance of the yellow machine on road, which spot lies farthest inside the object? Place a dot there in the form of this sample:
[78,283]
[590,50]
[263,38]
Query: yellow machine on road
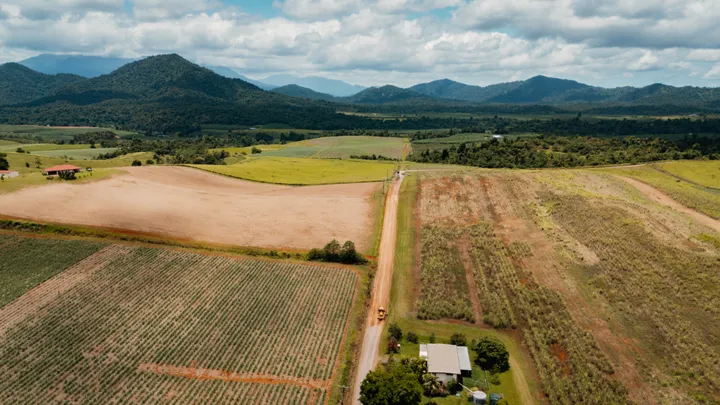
[382,313]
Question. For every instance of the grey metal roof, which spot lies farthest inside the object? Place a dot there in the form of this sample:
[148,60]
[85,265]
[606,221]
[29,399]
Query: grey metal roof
[443,359]
[464,358]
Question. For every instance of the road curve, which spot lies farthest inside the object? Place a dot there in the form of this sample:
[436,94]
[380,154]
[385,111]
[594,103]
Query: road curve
[381,289]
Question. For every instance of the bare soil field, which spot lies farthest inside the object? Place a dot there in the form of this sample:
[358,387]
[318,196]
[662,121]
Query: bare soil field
[190,204]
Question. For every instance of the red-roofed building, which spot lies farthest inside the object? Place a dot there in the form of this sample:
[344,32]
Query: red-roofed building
[7,174]
[50,171]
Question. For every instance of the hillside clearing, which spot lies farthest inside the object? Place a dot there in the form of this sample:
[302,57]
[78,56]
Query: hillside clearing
[185,203]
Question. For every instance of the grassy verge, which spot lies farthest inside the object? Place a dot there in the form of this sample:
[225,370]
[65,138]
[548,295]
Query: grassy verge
[378,204]
[125,236]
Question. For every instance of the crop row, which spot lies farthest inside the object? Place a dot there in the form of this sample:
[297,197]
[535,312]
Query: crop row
[154,306]
[667,294]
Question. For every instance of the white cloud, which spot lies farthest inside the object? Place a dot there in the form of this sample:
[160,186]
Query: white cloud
[376,42]
[713,73]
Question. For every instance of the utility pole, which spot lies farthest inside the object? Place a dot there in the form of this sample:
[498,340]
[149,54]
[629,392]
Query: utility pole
[342,398]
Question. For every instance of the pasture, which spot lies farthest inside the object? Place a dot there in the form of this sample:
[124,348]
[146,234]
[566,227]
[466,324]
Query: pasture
[190,204]
[39,133]
[458,139]
[74,154]
[615,295]
[343,147]
[686,182]
[144,325]
[300,171]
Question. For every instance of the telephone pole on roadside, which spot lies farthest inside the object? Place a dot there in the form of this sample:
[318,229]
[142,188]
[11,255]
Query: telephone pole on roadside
[342,398]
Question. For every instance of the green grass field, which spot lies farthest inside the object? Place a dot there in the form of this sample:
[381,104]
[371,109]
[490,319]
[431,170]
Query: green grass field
[697,197]
[35,147]
[27,262]
[292,171]
[705,173]
[49,134]
[75,154]
[457,139]
[333,147]
[18,160]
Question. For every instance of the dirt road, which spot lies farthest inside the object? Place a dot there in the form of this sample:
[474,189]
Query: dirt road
[381,289]
[659,197]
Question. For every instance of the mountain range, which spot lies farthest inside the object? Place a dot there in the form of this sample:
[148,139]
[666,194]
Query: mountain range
[93,66]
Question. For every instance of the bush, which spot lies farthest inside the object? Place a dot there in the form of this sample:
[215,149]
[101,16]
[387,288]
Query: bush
[27,164]
[20,150]
[136,163]
[393,384]
[393,346]
[66,175]
[149,162]
[492,355]
[412,337]
[334,253]
[458,339]
[395,331]
[255,150]
[433,338]
[4,164]
[452,387]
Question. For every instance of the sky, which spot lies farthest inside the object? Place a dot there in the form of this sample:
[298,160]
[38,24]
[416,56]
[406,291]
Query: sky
[607,43]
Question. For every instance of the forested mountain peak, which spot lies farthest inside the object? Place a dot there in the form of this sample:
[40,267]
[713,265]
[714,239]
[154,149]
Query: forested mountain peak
[294,90]
[384,94]
[19,84]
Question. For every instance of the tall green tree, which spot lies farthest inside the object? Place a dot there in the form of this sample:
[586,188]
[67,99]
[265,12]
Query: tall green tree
[393,384]
[492,355]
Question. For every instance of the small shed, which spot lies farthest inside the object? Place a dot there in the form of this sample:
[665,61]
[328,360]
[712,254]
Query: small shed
[8,174]
[51,171]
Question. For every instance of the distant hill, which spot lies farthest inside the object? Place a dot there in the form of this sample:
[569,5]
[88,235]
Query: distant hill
[448,89]
[294,90]
[230,73]
[165,77]
[332,87]
[384,95]
[537,89]
[81,65]
[19,84]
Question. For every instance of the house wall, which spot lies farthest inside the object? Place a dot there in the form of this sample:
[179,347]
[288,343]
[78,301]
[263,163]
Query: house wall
[10,175]
[445,378]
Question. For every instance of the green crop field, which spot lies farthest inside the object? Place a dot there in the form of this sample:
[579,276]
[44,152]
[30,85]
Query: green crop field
[27,262]
[342,147]
[75,154]
[292,171]
[333,147]
[704,173]
[694,196]
[50,134]
[147,325]
[33,147]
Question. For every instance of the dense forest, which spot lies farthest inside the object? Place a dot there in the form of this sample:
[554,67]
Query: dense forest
[563,151]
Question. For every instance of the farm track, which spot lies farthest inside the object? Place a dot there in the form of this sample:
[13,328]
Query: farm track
[381,289]
[659,197]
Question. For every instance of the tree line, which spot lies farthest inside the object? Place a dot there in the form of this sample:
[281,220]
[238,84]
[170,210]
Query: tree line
[571,151]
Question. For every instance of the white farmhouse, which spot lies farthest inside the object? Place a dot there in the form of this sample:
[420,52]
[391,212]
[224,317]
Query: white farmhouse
[447,362]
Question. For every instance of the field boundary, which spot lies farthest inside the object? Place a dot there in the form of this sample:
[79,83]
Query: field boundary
[13,226]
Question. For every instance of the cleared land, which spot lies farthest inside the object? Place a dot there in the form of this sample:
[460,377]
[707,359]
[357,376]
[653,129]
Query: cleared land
[141,325]
[297,171]
[616,295]
[191,204]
